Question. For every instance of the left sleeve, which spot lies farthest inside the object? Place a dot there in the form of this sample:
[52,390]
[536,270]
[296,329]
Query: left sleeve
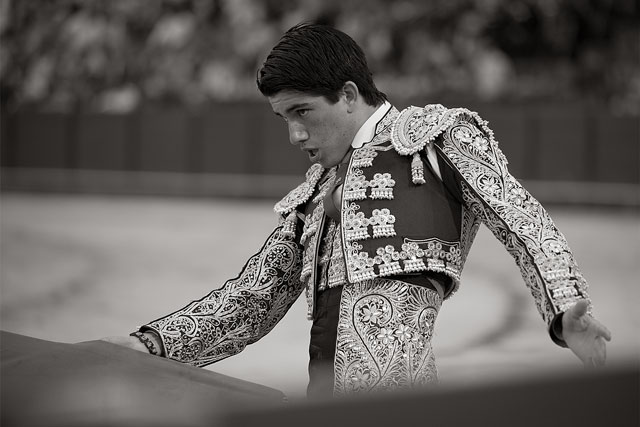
[513,216]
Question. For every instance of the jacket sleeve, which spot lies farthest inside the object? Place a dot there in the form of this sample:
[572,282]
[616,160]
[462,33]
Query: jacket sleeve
[241,312]
[513,215]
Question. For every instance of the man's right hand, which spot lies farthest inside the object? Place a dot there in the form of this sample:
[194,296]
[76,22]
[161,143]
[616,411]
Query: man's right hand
[128,341]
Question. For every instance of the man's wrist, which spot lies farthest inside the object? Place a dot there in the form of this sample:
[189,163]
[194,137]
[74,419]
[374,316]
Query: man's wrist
[150,340]
[556,330]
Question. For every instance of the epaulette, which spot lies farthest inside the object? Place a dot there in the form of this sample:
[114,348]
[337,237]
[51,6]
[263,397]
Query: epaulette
[417,127]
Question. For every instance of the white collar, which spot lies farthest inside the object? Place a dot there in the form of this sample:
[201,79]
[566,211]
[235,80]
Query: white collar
[368,130]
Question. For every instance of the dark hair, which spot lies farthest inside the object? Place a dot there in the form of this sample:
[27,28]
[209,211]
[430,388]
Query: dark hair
[319,60]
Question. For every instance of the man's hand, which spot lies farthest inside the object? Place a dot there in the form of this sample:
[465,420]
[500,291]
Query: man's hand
[128,341]
[584,335]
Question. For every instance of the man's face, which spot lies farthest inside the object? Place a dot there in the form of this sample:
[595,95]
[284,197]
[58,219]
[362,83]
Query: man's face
[323,130]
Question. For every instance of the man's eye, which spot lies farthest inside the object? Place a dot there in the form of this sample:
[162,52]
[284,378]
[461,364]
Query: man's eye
[303,112]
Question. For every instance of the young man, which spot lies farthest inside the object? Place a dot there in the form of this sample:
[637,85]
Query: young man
[378,233]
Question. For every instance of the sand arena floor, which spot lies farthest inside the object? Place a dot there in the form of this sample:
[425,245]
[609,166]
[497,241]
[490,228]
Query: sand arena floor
[77,268]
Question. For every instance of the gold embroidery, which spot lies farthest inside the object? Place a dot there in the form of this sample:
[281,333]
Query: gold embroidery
[311,235]
[355,186]
[337,272]
[363,157]
[470,227]
[302,192]
[382,222]
[384,337]
[416,127]
[359,264]
[331,262]
[382,186]
[513,215]
[241,312]
[388,260]
[354,223]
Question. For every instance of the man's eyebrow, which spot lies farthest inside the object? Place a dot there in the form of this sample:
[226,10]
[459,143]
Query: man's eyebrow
[298,105]
[294,107]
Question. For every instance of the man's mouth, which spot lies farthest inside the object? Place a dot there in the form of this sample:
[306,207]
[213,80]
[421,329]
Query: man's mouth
[312,153]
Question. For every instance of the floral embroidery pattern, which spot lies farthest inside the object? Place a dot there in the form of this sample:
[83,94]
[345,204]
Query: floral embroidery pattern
[355,186]
[363,157]
[411,257]
[355,224]
[382,222]
[239,313]
[387,258]
[311,237]
[331,250]
[382,186]
[359,263]
[416,127]
[470,227]
[384,337]
[492,194]
[301,193]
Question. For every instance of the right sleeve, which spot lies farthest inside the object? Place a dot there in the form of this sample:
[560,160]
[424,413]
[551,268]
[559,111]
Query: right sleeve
[241,312]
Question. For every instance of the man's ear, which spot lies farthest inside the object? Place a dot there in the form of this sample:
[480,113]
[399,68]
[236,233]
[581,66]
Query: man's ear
[351,94]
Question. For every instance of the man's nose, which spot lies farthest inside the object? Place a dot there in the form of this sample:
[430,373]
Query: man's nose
[297,134]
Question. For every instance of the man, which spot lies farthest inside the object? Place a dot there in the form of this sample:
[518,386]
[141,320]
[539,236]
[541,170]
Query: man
[378,233]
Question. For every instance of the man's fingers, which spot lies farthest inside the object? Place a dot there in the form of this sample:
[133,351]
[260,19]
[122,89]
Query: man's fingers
[606,333]
[601,352]
[601,330]
[579,309]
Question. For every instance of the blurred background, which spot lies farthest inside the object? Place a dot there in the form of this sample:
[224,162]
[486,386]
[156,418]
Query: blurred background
[140,163]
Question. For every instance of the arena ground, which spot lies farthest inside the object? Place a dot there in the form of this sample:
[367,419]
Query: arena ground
[77,268]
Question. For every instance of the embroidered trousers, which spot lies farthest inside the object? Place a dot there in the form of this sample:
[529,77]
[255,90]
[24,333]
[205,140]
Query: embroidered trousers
[372,336]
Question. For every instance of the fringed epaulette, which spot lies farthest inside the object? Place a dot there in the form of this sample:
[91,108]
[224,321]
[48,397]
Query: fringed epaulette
[415,128]
[301,193]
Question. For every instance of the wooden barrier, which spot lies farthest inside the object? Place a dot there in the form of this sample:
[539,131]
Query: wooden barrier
[543,142]
[590,399]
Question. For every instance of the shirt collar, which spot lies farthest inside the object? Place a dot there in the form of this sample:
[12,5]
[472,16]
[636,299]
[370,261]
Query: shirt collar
[368,130]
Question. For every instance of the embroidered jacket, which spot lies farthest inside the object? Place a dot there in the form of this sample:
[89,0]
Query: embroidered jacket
[386,227]
[385,231]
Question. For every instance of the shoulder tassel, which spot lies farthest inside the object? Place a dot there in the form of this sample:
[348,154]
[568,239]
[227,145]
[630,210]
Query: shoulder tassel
[417,169]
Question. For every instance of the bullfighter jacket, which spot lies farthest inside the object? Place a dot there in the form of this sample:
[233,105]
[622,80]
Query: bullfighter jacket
[400,214]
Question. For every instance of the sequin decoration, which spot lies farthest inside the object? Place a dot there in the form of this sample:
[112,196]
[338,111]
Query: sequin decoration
[359,264]
[363,157]
[382,186]
[355,186]
[382,222]
[289,224]
[512,214]
[388,259]
[239,313]
[416,127]
[302,192]
[355,224]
